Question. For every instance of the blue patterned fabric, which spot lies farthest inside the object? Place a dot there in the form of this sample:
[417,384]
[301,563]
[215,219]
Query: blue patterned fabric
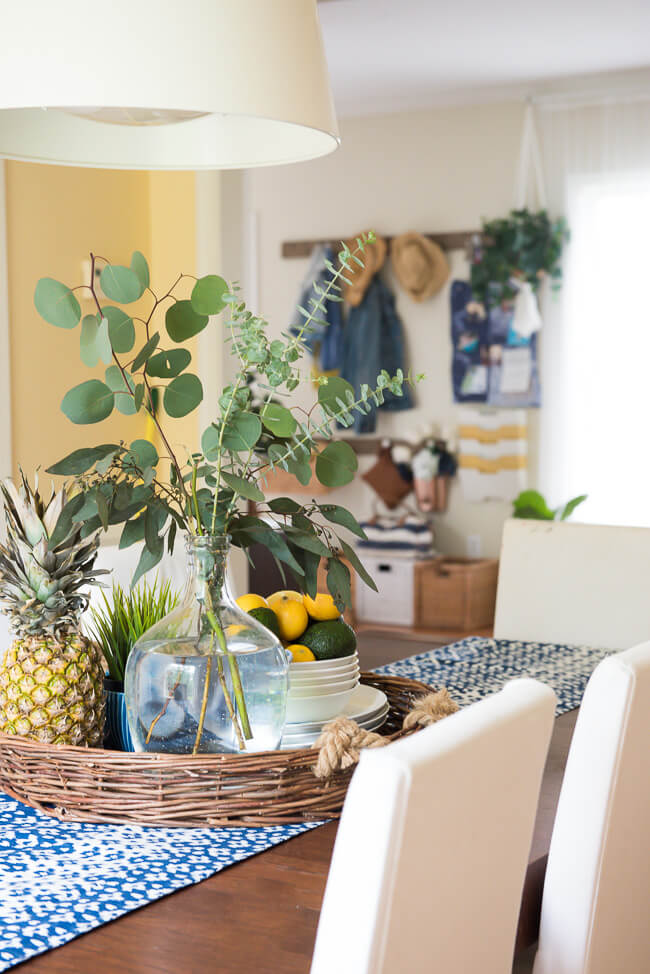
[59,880]
[473,668]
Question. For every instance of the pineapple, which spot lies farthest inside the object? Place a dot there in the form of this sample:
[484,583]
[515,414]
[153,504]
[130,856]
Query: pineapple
[51,677]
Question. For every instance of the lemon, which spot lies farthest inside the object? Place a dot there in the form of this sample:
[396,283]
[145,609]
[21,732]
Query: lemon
[322,608]
[250,601]
[292,618]
[301,654]
[284,596]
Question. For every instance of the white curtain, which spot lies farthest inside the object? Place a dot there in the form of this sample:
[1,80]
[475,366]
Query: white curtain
[595,347]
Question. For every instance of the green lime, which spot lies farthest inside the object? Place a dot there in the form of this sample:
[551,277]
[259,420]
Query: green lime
[330,640]
[268,618]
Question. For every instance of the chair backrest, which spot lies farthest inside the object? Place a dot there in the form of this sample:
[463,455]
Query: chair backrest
[431,852]
[596,904]
[585,584]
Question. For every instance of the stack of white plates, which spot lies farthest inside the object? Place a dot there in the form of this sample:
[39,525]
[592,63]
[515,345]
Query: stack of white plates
[367,705]
[320,689]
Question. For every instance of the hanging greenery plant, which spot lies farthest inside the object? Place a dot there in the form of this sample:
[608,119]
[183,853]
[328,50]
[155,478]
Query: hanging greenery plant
[525,246]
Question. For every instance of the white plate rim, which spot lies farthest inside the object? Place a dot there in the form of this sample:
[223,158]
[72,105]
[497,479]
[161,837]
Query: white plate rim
[322,664]
[330,681]
[376,722]
[308,726]
[288,743]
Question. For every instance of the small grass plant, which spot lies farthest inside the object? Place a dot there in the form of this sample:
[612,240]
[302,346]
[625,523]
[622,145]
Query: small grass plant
[120,621]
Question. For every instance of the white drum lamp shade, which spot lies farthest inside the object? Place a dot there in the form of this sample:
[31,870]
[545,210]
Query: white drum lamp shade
[164,84]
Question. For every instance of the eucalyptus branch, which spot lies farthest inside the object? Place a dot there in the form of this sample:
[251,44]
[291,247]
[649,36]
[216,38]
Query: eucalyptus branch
[238,381]
[150,408]
[323,427]
[332,285]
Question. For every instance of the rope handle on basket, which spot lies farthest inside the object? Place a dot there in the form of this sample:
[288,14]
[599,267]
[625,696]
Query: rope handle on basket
[341,741]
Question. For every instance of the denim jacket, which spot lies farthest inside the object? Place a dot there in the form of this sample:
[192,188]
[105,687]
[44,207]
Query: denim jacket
[373,340]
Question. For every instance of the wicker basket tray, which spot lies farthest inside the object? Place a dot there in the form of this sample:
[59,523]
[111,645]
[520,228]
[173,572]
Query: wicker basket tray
[271,788]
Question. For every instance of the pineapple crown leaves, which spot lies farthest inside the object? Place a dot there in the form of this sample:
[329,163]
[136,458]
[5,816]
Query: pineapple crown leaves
[40,581]
[154,495]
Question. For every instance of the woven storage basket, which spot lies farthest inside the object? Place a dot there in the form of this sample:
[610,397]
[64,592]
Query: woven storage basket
[275,787]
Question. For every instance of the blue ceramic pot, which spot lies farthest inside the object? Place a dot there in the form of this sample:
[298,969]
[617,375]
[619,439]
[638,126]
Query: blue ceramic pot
[116,734]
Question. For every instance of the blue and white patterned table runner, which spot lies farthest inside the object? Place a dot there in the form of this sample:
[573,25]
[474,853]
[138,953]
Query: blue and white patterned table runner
[59,880]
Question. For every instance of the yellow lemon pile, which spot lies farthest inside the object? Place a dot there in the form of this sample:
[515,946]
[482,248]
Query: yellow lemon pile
[296,614]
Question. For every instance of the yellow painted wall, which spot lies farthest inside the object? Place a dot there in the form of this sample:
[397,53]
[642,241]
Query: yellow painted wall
[172,252]
[55,216]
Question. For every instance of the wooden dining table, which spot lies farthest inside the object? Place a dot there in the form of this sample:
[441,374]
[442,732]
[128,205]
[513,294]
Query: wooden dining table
[260,915]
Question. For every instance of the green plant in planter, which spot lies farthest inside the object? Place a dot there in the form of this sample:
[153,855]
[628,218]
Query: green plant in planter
[119,622]
[202,493]
[522,245]
[531,504]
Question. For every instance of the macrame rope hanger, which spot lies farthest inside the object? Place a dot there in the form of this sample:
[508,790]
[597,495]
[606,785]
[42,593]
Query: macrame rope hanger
[530,161]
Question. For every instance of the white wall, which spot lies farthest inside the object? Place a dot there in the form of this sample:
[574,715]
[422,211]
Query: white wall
[439,170]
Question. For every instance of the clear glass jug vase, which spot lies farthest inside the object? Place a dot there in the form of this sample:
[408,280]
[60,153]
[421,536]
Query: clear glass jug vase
[208,678]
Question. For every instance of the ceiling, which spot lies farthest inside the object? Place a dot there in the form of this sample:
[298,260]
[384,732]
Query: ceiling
[399,55]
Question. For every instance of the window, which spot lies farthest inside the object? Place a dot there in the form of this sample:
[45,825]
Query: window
[606,349]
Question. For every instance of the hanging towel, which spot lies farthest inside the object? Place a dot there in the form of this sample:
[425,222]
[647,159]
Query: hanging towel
[493,454]
[407,537]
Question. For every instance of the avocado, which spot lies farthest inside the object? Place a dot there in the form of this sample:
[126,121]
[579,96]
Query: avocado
[330,640]
[268,618]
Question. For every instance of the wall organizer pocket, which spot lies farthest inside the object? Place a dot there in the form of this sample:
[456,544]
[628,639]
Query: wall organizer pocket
[492,362]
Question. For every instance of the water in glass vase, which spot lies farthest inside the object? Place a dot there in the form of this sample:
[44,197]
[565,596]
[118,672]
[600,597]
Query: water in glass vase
[208,678]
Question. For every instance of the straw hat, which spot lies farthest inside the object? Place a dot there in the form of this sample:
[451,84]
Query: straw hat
[373,259]
[419,264]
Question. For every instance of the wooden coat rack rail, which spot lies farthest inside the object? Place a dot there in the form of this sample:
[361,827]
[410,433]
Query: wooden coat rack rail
[448,241]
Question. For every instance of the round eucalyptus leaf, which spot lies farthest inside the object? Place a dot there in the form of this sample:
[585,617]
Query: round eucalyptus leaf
[182,395]
[144,454]
[103,342]
[88,341]
[208,294]
[334,389]
[89,402]
[120,284]
[167,365]
[121,329]
[56,303]
[242,432]
[124,402]
[140,268]
[278,420]
[210,443]
[336,465]
[183,322]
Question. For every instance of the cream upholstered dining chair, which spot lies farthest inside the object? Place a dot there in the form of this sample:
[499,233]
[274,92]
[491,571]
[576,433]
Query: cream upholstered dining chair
[431,852]
[581,584]
[596,903]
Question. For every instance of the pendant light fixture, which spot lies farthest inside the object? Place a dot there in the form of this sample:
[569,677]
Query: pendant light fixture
[164,84]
